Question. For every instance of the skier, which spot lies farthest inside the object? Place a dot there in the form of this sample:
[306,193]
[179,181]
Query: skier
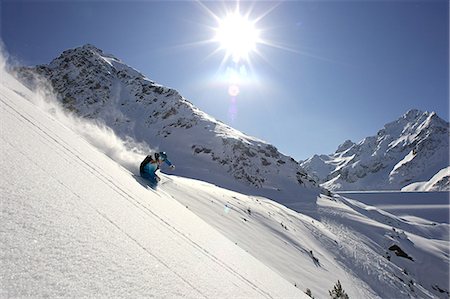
[151,164]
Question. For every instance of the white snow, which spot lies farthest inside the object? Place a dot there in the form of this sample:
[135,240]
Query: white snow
[110,92]
[440,181]
[427,207]
[75,223]
[411,149]
[406,159]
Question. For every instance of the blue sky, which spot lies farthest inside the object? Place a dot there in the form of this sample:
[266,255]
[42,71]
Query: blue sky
[324,72]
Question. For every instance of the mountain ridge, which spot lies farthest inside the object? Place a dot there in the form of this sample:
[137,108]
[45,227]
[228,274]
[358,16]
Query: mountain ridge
[410,149]
[99,86]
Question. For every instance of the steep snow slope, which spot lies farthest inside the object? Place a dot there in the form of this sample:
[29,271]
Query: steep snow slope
[411,149]
[99,86]
[75,224]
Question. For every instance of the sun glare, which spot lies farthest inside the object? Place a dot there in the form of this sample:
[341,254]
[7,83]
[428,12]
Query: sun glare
[237,36]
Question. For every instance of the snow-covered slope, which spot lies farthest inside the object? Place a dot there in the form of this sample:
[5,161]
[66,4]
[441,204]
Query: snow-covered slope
[337,238]
[99,86]
[439,182]
[411,149]
[77,224]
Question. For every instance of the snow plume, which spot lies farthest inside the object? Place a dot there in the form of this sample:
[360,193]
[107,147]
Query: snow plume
[3,57]
[126,151]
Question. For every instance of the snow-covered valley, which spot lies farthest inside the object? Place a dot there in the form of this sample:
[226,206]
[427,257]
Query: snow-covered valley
[77,221]
[429,207]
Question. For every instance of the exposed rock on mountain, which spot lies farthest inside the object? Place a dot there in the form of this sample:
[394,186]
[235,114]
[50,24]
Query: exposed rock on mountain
[99,86]
[411,149]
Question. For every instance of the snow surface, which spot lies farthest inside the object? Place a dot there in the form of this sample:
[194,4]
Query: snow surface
[440,181]
[424,207]
[77,224]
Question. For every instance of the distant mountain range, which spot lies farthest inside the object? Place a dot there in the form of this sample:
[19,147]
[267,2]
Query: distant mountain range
[99,86]
[412,149]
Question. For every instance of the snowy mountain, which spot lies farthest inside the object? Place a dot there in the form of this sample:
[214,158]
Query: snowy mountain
[77,224]
[440,181]
[411,149]
[99,86]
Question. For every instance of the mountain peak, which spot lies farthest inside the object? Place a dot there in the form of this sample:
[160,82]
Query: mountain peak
[99,86]
[345,146]
[90,47]
[412,148]
[96,50]
[413,113]
[85,52]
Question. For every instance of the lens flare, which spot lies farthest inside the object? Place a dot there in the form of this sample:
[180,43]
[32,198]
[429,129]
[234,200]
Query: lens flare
[233,90]
[233,111]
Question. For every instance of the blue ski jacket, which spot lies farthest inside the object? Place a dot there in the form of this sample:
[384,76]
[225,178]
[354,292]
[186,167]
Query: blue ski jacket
[150,165]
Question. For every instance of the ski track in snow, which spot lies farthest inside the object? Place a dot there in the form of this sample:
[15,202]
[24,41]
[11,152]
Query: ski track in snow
[126,194]
[343,231]
[70,154]
[65,150]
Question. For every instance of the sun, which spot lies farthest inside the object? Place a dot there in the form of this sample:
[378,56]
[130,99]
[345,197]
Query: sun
[237,35]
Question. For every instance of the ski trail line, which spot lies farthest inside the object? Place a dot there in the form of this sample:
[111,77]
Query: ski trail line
[128,197]
[109,221]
